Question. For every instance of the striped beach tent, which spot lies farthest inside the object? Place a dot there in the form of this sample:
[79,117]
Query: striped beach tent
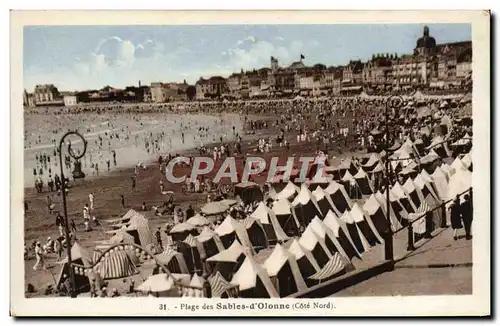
[334,267]
[190,249]
[174,261]
[210,241]
[220,286]
[115,264]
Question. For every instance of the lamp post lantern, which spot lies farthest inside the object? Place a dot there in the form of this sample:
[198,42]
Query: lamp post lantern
[393,102]
[65,210]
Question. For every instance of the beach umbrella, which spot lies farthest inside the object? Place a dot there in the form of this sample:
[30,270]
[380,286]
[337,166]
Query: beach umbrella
[198,220]
[214,208]
[163,282]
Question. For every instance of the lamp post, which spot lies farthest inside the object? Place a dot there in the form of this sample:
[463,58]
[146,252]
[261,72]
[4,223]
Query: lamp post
[393,102]
[63,191]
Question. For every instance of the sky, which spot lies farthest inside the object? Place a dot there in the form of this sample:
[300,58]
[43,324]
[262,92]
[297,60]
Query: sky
[90,57]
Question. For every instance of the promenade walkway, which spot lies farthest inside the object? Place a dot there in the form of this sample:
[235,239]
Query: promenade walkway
[440,265]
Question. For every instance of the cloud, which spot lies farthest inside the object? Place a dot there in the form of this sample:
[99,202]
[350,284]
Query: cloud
[259,52]
[279,38]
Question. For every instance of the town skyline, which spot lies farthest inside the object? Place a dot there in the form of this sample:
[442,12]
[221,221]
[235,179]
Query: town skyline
[125,55]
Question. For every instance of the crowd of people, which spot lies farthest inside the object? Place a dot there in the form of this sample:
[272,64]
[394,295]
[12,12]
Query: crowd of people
[329,127]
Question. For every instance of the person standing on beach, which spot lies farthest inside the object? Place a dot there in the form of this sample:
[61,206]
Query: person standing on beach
[122,198]
[91,201]
[133,182]
[39,257]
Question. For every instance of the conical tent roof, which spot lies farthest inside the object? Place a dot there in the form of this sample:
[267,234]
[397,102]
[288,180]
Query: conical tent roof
[197,281]
[287,192]
[322,231]
[310,239]
[467,160]
[182,227]
[371,205]
[78,252]
[398,191]
[430,157]
[457,165]
[261,213]
[333,187]
[282,207]
[409,187]
[296,249]
[246,277]
[206,234]
[361,174]
[231,254]
[230,225]
[321,194]
[378,168]
[374,159]
[303,197]
[347,177]
[460,182]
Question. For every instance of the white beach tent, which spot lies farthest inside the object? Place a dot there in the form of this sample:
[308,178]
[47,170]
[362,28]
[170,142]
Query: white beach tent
[315,245]
[378,213]
[340,231]
[440,179]
[210,241]
[230,229]
[324,201]
[229,255]
[398,192]
[397,208]
[272,227]
[285,214]
[355,233]
[305,260]
[413,193]
[366,224]
[363,182]
[305,206]
[460,182]
[253,280]
[276,266]
[339,197]
[328,237]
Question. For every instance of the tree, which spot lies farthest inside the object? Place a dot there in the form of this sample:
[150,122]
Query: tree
[191,92]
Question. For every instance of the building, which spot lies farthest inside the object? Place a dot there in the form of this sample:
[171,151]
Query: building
[234,85]
[331,80]
[166,92]
[377,72]
[211,88]
[47,94]
[69,98]
[28,99]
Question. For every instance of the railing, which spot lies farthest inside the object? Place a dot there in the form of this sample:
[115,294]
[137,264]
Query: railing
[427,234]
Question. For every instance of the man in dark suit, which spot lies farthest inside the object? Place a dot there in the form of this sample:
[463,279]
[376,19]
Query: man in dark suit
[466,213]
